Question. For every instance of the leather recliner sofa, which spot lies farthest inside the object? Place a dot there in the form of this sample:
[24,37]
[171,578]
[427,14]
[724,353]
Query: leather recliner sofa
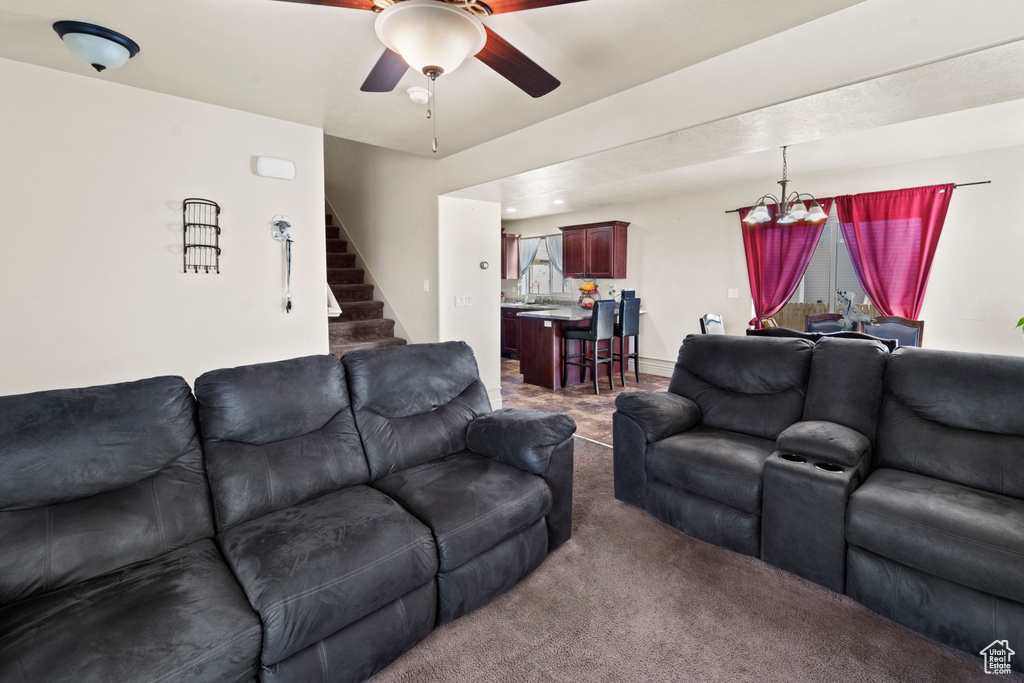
[900,482]
[341,512]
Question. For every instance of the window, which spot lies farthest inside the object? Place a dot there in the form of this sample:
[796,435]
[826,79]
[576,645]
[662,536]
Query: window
[829,270]
[543,277]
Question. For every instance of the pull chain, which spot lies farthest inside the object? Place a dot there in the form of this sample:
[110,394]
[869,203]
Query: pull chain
[431,115]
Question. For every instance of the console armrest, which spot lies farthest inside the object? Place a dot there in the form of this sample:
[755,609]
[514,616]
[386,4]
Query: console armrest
[521,438]
[536,442]
[659,414]
[826,441]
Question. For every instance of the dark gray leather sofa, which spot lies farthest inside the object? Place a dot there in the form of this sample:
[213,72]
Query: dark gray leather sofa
[311,543]
[900,482]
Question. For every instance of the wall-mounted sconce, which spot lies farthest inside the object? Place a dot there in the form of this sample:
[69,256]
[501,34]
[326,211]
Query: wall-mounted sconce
[269,167]
[101,47]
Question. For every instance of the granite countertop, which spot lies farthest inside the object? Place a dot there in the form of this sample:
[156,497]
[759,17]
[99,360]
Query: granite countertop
[570,313]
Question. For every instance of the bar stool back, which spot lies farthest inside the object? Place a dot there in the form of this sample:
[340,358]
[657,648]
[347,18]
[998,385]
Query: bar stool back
[602,328]
[628,325]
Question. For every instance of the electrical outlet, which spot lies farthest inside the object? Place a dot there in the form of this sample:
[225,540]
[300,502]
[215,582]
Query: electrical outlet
[463,299]
[426,285]
[547,323]
[733,293]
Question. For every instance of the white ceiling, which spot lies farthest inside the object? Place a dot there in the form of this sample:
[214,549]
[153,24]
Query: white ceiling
[847,83]
[305,63]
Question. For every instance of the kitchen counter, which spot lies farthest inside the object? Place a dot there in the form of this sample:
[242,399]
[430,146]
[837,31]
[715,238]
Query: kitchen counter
[542,343]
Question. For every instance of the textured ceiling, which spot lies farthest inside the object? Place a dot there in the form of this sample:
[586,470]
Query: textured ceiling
[305,63]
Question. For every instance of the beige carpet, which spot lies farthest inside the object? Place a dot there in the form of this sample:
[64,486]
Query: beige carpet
[630,599]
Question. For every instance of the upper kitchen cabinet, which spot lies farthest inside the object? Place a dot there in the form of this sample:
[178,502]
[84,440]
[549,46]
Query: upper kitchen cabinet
[509,257]
[594,250]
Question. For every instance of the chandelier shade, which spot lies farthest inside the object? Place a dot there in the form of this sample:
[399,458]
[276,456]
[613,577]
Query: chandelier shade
[432,37]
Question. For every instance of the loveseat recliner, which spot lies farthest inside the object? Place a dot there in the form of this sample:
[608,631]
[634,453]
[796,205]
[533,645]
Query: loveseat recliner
[341,512]
[900,480]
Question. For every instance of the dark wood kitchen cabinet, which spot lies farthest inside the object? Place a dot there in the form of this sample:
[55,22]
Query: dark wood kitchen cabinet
[594,250]
[509,257]
[510,332]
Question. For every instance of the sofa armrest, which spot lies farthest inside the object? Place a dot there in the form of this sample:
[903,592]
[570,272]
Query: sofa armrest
[827,441]
[521,438]
[660,414]
[540,443]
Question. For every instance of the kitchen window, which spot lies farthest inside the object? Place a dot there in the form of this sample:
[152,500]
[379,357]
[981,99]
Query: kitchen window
[543,277]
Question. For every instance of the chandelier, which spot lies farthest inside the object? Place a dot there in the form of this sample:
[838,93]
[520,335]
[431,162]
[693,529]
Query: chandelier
[792,207]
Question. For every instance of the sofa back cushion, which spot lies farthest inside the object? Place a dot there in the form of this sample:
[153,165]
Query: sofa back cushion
[276,435]
[954,416]
[751,385]
[845,385]
[95,479]
[413,404]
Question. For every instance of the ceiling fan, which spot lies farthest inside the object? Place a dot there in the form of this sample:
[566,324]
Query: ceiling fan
[453,27]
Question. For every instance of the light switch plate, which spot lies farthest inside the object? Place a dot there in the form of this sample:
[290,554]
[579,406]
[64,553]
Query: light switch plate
[733,293]
[426,285]
[463,299]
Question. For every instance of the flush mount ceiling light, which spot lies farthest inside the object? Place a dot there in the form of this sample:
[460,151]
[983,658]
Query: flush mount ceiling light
[100,47]
[791,207]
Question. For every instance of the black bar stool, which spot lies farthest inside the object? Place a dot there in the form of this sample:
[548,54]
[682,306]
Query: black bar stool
[628,325]
[602,328]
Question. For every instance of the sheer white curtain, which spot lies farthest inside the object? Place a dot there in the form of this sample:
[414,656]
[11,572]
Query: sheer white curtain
[554,246]
[527,253]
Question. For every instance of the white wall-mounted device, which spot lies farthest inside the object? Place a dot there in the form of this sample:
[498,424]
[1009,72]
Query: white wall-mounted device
[269,167]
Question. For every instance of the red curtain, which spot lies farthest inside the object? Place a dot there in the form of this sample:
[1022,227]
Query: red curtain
[777,256]
[892,238]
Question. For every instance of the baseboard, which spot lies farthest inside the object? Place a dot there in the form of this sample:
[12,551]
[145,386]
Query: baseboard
[495,397]
[654,366]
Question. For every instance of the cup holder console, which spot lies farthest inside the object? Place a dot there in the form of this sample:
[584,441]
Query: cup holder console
[789,457]
[828,467]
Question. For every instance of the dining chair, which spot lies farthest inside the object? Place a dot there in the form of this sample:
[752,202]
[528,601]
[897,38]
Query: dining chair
[711,323]
[602,328]
[628,325]
[823,322]
[904,330]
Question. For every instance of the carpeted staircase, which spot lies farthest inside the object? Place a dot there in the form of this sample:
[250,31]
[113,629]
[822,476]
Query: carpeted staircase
[362,324]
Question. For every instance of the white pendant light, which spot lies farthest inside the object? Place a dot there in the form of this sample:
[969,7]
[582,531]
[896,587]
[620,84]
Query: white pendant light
[791,207]
[432,37]
[100,47]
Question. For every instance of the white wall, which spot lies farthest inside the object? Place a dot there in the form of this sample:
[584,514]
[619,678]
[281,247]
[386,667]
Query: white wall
[91,283]
[468,234]
[685,253]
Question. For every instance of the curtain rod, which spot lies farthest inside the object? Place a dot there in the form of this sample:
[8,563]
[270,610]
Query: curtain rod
[955,185]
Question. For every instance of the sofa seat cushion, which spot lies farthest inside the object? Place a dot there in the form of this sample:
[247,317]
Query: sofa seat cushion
[314,568]
[178,617]
[470,502]
[960,534]
[717,464]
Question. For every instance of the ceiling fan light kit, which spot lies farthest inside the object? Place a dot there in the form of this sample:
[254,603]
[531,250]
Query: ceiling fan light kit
[791,206]
[432,37]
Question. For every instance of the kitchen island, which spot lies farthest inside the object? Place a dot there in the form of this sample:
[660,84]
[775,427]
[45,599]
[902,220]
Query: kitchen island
[540,346]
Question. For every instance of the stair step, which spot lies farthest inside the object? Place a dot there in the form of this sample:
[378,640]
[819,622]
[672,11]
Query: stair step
[341,260]
[344,293]
[329,217]
[336,246]
[340,350]
[333,231]
[360,330]
[359,310]
[345,276]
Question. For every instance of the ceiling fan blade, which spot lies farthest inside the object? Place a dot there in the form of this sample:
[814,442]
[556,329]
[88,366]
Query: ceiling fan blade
[348,4]
[506,6]
[522,71]
[386,73]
